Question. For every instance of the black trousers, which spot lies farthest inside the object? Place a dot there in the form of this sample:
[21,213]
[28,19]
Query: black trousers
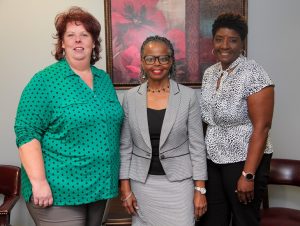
[223,205]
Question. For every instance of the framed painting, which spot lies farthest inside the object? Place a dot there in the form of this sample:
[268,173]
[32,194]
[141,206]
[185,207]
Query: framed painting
[186,23]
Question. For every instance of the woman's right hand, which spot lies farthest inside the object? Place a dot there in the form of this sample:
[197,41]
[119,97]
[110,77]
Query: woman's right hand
[41,193]
[127,197]
[32,159]
[129,202]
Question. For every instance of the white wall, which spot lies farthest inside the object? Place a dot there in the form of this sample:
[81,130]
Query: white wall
[26,43]
[273,41]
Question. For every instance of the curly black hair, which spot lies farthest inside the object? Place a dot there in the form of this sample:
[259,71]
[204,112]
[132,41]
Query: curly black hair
[232,21]
[168,43]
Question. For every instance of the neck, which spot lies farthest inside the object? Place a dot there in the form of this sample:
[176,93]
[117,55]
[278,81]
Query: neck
[158,86]
[79,65]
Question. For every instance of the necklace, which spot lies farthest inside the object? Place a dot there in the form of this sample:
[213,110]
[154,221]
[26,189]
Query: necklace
[163,89]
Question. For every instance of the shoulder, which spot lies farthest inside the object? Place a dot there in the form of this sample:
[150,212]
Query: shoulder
[255,77]
[53,71]
[252,66]
[59,67]
[186,90]
[211,70]
[254,71]
[45,74]
[101,74]
[129,95]
[187,93]
[99,71]
[133,91]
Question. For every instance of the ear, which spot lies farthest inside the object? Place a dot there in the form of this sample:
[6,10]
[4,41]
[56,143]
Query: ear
[62,44]
[244,43]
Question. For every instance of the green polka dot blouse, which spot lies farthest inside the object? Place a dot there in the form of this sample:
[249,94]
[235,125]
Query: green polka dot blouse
[79,130]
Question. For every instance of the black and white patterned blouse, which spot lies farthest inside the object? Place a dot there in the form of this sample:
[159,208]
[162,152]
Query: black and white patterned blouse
[225,109]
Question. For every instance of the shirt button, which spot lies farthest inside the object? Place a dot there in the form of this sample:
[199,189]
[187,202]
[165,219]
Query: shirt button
[162,157]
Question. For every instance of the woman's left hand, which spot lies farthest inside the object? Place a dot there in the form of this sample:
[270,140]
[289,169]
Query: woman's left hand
[245,190]
[200,204]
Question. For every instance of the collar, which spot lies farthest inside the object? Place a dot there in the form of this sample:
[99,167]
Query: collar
[69,72]
[234,64]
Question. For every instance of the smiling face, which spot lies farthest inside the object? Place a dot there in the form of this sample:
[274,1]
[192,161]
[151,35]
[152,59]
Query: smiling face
[77,43]
[227,46]
[159,70]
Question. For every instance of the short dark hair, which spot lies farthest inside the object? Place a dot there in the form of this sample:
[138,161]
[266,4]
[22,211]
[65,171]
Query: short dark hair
[232,21]
[168,43]
[90,23]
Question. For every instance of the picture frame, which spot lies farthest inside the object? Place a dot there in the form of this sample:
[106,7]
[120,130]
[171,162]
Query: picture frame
[186,23]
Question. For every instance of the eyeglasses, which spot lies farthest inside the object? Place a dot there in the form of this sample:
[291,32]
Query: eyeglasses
[161,59]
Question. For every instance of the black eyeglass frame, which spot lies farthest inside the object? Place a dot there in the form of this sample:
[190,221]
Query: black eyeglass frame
[157,58]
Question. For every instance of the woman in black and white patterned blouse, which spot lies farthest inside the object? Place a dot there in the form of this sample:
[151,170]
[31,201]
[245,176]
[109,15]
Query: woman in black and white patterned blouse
[237,99]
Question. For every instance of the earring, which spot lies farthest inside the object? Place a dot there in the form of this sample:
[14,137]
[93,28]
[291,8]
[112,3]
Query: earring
[213,52]
[244,53]
[93,54]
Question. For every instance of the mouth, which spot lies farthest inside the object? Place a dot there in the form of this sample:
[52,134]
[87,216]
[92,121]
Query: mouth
[224,53]
[78,49]
[157,71]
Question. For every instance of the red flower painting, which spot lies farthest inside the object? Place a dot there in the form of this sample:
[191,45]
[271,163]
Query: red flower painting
[132,22]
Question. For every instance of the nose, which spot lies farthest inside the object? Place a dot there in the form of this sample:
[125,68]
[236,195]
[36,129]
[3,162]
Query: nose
[156,61]
[225,44]
[77,38]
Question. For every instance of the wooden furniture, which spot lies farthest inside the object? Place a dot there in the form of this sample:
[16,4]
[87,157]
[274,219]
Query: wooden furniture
[282,172]
[115,214]
[10,183]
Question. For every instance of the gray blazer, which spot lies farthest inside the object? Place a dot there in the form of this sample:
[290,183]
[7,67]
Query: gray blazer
[181,148]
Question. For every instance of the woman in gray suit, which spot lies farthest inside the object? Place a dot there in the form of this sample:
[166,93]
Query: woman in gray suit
[163,156]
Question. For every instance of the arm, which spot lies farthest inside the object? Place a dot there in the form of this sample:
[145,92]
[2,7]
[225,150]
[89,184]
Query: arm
[198,154]
[200,202]
[32,121]
[32,160]
[260,108]
[128,199]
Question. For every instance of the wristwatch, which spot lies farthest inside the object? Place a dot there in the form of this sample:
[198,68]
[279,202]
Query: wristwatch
[201,190]
[248,176]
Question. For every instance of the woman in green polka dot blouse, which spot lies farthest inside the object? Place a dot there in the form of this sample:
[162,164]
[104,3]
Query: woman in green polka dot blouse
[67,130]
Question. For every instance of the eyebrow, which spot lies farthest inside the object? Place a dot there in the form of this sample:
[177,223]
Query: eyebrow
[220,36]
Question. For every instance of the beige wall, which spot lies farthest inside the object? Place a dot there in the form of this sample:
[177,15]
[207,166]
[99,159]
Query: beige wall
[26,43]
[25,48]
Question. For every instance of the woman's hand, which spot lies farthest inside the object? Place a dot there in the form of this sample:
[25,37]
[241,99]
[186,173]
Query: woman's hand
[129,202]
[200,204]
[32,159]
[127,197]
[41,193]
[245,190]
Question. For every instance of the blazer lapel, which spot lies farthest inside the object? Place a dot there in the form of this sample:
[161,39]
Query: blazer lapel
[171,112]
[141,113]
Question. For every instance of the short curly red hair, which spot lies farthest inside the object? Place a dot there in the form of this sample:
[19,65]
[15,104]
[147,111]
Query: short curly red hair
[90,23]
